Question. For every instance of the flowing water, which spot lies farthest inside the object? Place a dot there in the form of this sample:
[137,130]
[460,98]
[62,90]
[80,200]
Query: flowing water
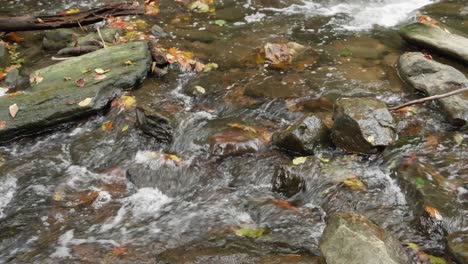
[79,194]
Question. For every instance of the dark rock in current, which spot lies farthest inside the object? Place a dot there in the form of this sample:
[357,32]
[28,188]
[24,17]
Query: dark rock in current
[286,182]
[54,100]
[353,239]
[458,246]
[155,123]
[234,142]
[302,137]
[158,32]
[57,39]
[434,78]
[438,38]
[362,125]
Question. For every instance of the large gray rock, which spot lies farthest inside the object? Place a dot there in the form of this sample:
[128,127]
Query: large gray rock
[154,123]
[458,246]
[438,38]
[362,125]
[433,78]
[302,137]
[353,239]
[55,100]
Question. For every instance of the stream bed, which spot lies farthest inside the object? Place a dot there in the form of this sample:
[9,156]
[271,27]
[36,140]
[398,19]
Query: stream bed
[79,194]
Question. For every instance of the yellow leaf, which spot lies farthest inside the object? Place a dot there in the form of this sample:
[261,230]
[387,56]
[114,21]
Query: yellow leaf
[299,160]
[210,66]
[200,89]
[127,101]
[107,126]
[72,11]
[13,110]
[85,102]
[355,184]
[128,63]
[243,127]
[125,128]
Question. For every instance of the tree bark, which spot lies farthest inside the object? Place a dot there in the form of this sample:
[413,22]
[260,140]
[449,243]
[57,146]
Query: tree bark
[28,23]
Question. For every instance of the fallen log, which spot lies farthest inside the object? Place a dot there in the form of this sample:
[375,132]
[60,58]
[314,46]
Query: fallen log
[83,18]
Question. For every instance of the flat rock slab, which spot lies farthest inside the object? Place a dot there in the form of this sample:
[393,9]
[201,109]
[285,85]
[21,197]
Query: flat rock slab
[56,98]
[362,125]
[435,78]
[438,38]
[353,239]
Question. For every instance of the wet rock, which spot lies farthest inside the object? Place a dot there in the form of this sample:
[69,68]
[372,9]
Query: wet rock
[362,125]
[234,142]
[158,32]
[57,39]
[155,123]
[302,137]
[286,182]
[433,78]
[353,239]
[458,246]
[438,38]
[54,100]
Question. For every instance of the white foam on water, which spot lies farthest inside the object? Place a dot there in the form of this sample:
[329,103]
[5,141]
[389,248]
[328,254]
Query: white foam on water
[364,14]
[7,191]
[62,250]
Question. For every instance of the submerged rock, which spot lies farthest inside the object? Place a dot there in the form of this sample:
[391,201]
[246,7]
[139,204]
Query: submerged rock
[435,37]
[362,125]
[302,137]
[353,239]
[286,182]
[434,78]
[155,124]
[57,98]
[458,246]
[57,39]
[235,142]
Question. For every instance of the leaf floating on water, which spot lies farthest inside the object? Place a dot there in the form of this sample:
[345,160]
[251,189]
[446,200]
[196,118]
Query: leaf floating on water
[220,22]
[243,127]
[80,82]
[345,53]
[200,6]
[250,232]
[3,124]
[355,184]
[324,160]
[172,157]
[284,204]
[36,78]
[299,160]
[13,110]
[434,213]
[210,66]
[413,246]
[125,128]
[85,102]
[107,126]
[200,89]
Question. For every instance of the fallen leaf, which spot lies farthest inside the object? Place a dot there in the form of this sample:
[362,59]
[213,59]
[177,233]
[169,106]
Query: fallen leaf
[36,78]
[71,11]
[172,157]
[85,102]
[67,79]
[99,71]
[324,160]
[3,124]
[355,184]
[12,36]
[420,182]
[13,110]
[220,22]
[432,141]
[199,6]
[458,137]
[371,139]
[243,127]
[85,70]
[210,66]
[99,77]
[427,20]
[200,89]
[250,232]
[124,128]
[413,246]
[151,8]
[107,126]
[284,204]
[127,101]
[299,160]
[128,63]
[87,198]
[80,82]
[119,251]
[434,213]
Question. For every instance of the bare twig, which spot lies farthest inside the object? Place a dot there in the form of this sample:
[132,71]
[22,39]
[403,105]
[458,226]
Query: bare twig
[102,39]
[434,97]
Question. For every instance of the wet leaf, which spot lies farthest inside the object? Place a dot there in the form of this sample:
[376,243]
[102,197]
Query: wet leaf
[324,160]
[67,79]
[199,6]
[151,8]
[127,101]
[13,110]
[13,37]
[128,63]
[200,89]
[107,126]
[99,77]
[427,20]
[432,141]
[15,94]
[36,78]
[279,55]
[87,198]
[85,102]
[80,82]
[434,213]
[220,22]
[371,139]
[299,160]
[284,204]
[101,71]
[355,184]
[125,128]
[243,127]
[85,70]
[172,157]
[71,11]
[420,182]
[413,246]
[3,124]
[250,232]
[119,251]
[58,195]
[210,66]
[436,260]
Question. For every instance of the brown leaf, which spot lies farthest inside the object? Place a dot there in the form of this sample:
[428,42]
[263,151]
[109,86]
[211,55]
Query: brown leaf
[107,126]
[88,198]
[13,110]
[119,251]
[80,82]
[434,213]
[99,77]
[284,204]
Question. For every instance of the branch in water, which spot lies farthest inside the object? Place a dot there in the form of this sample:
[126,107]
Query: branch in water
[430,98]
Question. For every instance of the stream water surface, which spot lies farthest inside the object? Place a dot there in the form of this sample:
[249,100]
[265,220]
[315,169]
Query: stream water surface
[79,194]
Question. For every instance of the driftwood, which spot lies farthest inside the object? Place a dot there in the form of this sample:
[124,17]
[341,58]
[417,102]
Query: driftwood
[83,18]
[430,98]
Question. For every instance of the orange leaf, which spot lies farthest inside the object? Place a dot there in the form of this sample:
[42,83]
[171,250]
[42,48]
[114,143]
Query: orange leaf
[434,213]
[119,251]
[173,51]
[12,36]
[107,126]
[284,204]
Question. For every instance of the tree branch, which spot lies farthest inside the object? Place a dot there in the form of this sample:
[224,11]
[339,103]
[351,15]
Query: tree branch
[434,97]
[83,18]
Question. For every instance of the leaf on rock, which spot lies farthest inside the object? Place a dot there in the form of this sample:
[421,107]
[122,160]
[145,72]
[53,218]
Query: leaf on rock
[80,82]
[85,70]
[119,251]
[199,6]
[36,78]
[355,184]
[250,232]
[101,71]
[85,102]
[299,160]
[458,137]
[434,213]
[413,246]
[172,157]
[427,20]
[279,55]
[13,110]
[99,77]
[107,126]
[87,198]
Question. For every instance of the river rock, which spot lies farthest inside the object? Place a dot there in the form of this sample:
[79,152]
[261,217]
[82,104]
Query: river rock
[158,32]
[458,246]
[286,182]
[434,78]
[55,100]
[302,137]
[154,123]
[234,142]
[437,37]
[57,39]
[353,239]
[362,125]
[3,55]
